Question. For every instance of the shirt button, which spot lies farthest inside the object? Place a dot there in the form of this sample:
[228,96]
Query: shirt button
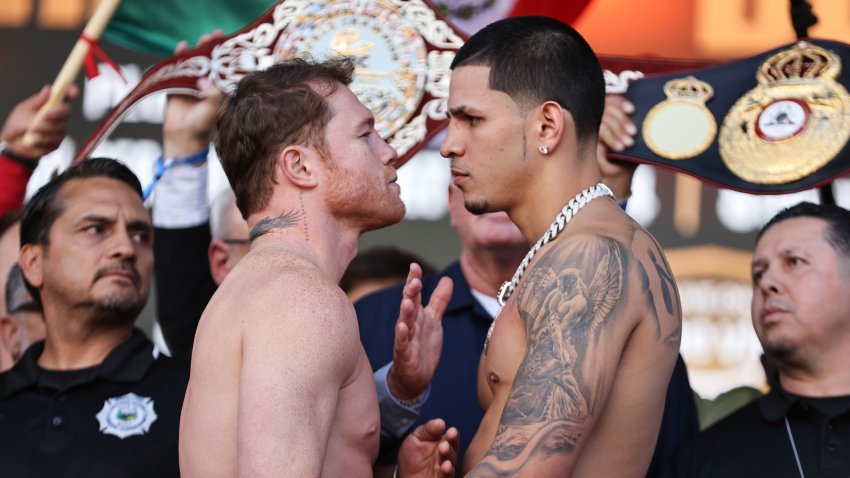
[830,448]
[57,420]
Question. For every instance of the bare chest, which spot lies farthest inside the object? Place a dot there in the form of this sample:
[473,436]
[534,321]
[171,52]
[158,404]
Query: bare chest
[504,355]
[355,434]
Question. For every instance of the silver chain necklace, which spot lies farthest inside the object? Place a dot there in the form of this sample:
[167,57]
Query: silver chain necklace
[794,448]
[563,218]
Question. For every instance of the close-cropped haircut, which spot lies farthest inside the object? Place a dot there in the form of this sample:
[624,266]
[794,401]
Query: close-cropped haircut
[539,59]
[837,220]
[46,205]
[269,110]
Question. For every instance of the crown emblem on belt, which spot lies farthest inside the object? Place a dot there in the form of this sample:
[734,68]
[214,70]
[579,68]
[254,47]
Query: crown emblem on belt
[794,122]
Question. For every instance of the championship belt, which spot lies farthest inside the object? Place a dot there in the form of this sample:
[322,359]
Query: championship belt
[784,116]
[402,50]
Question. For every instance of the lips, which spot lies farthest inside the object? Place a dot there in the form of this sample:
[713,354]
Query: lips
[772,310]
[459,176]
[457,172]
[121,272]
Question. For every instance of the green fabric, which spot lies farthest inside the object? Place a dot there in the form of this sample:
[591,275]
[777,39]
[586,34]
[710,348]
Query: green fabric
[156,26]
[712,411]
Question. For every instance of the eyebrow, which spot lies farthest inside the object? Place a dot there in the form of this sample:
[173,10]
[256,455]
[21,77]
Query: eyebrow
[134,224]
[367,121]
[785,252]
[462,110]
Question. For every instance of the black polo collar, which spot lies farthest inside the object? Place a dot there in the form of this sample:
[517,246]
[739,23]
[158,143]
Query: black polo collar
[778,403]
[128,362]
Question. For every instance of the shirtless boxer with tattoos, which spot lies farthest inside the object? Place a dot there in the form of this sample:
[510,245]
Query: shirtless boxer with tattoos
[575,371]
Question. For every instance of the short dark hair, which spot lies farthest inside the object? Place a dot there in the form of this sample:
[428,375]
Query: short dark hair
[837,221]
[46,205]
[381,263]
[270,110]
[539,59]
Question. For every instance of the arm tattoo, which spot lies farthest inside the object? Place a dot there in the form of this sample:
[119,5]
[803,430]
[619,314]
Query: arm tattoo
[669,293]
[566,300]
[287,219]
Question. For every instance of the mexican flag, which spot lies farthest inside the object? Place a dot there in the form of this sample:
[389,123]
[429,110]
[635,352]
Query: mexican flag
[156,26]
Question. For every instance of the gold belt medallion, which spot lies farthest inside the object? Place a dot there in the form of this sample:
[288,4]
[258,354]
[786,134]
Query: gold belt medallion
[794,122]
[681,126]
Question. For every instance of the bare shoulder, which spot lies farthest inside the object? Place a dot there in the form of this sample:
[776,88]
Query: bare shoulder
[582,275]
[656,286]
[285,295]
[614,269]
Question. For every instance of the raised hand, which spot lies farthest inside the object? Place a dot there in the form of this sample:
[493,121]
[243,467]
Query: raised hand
[189,120]
[418,336]
[616,133]
[46,134]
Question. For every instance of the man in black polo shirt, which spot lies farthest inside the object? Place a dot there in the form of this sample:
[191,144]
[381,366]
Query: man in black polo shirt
[801,314]
[95,398]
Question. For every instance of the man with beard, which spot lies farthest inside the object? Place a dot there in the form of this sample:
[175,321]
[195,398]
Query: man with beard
[95,398]
[578,360]
[801,299]
[280,384]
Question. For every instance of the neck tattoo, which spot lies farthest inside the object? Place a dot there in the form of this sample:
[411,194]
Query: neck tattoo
[304,216]
[563,218]
[268,224]
[794,447]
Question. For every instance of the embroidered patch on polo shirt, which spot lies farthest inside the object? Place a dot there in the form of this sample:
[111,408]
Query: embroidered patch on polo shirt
[126,415]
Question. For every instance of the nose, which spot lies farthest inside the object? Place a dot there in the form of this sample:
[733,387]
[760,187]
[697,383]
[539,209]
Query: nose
[122,245]
[451,146]
[769,283]
[389,155]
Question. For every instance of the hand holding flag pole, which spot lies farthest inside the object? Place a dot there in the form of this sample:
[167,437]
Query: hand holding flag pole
[85,44]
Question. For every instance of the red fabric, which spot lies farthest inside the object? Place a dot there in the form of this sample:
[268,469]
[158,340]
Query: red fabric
[96,54]
[13,184]
[565,10]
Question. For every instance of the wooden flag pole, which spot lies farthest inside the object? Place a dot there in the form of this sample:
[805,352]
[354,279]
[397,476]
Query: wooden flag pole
[94,28]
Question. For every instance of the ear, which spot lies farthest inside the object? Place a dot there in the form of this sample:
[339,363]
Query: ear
[219,255]
[31,260]
[9,335]
[297,164]
[550,123]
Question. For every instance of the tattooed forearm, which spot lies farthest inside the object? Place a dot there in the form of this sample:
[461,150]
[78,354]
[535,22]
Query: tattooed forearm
[285,220]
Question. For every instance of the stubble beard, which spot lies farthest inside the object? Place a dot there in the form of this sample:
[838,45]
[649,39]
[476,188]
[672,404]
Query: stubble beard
[477,207]
[781,351]
[357,204]
[118,306]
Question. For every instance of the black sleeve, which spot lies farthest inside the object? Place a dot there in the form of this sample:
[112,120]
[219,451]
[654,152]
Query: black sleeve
[184,284]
